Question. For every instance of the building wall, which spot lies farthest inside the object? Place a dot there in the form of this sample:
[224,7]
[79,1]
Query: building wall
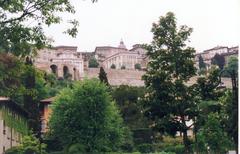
[45,117]
[127,59]
[61,57]
[121,56]
[207,55]
[8,136]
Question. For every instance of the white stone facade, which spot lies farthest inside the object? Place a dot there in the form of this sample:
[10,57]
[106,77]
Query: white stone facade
[121,57]
[61,60]
[207,55]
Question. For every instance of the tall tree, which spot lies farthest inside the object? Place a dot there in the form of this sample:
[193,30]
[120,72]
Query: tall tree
[93,63]
[31,103]
[218,60]
[103,76]
[170,102]
[87,115]
[21,23]
[202,65]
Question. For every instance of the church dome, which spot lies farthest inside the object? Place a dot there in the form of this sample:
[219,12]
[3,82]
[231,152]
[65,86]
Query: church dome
[122,45]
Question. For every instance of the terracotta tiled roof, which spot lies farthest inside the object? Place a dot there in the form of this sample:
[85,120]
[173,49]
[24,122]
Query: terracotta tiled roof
[48,100]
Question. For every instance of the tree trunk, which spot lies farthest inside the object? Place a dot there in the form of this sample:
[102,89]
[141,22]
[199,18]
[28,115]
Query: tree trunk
[186,142]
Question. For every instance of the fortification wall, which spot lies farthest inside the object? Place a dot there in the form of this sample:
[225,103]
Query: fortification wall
[133,77]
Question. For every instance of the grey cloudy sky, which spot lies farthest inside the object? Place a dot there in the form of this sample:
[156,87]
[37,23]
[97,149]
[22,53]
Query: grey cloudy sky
[215,22]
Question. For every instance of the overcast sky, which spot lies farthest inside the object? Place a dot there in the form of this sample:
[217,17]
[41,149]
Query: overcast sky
[214,22]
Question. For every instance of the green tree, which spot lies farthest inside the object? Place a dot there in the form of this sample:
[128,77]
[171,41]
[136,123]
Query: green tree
[87,115]
[103,76]
[170,102]
[230,116]
[213,136]
[10,75]
[218,60]
[29,145]
[31,104]
[113,66]
[20,35]
[202,65]
[232,65]
[137,66]
[92,63]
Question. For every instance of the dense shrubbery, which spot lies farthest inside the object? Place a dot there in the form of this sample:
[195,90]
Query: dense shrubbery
[86,115]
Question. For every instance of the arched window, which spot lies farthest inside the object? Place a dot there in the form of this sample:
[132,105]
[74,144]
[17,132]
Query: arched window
[74,74]
[66,74]
[54,69]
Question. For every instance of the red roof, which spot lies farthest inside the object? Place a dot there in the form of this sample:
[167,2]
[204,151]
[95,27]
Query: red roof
[48,100]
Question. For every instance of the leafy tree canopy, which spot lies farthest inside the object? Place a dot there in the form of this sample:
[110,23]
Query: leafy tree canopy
[21,23]
[103,76]
[218,60]
[93,63]
[30,144]
[137,66]
[87,115]
[170,102]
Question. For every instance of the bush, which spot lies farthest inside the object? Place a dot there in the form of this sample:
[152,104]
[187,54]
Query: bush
[76,148]
[178,149]
[13,150]
[87,115]
[145,148]
[29,145]
[137,66]
[113,66]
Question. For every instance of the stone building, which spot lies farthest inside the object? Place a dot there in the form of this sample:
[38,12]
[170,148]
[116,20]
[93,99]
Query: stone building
[64,61]
[207,55]
[121,57]
[13,124]
[45,113]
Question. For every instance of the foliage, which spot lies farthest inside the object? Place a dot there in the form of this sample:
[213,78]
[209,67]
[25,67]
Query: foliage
[213,135]
[171,145]
[87,115]
[232,65]
[145,148]
[229,119]
[113,66]
[21,35]
[103,76]
[92,63]
[170,102]
[29,145]
[127,98]
[54,85]
[202,71]
[31,103]
[202,65]
[18,123]
[206,86]
[76,148]
[137,66]
[218,60]
[10,75]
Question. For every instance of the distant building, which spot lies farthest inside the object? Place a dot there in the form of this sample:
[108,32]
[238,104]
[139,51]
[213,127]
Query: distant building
[62,61]
[13,124]
[207,55]
[45,113]
[121,57]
